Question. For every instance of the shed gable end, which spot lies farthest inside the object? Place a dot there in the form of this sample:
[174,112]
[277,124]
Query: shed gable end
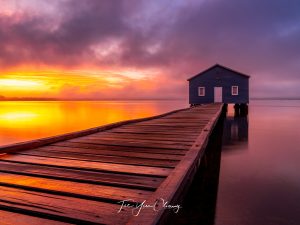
[217,68]
[229,85]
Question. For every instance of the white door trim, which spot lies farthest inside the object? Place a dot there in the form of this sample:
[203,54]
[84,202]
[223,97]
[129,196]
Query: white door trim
[218,94]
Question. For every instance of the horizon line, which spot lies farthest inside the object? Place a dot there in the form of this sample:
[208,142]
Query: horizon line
[130,99]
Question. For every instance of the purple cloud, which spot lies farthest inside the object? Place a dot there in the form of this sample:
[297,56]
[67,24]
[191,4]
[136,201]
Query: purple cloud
[179,38]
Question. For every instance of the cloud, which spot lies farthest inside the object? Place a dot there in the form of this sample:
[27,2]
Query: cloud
[178,38]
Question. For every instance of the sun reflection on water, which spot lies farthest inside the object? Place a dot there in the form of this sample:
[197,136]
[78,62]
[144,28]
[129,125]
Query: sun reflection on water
[27,120]
[12,117]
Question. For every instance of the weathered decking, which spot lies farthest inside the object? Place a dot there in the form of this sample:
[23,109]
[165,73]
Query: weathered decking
[81,178]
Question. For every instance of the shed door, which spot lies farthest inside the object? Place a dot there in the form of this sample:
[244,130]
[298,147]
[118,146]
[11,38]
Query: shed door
[218,94]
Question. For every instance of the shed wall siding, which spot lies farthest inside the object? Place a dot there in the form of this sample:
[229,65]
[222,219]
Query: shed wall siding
[219,77]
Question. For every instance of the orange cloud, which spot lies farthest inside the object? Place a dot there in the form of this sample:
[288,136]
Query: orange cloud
[81,83]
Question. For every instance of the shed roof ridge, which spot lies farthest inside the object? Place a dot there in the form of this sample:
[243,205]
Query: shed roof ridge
[218,65]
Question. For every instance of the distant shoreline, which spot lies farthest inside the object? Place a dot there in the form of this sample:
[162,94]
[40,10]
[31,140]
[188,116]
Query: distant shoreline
[47,99]
[295,98]
[154,99]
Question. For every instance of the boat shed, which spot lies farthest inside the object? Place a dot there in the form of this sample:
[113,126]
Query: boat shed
[219,84]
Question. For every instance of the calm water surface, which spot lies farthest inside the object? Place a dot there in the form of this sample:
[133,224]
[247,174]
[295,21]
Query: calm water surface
[259,179]
[22,121]
[252,173]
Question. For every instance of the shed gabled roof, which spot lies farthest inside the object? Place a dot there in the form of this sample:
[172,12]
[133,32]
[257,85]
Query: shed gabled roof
[220,66]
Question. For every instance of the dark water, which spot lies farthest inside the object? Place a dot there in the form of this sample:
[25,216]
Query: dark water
[253,177]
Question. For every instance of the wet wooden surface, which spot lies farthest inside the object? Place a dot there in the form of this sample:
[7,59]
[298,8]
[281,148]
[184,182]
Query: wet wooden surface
[82,180]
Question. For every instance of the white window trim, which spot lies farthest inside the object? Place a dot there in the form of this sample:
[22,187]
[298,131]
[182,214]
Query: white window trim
[237,90]
[199,92]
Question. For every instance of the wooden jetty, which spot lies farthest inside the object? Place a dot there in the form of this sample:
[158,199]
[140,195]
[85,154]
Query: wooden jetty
[84,177]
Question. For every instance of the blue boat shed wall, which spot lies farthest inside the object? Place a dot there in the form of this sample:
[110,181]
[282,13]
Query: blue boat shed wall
[219,76]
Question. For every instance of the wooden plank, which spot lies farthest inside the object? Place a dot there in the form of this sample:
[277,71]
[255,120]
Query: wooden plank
[155,133]
[160,128]
[141,144]
[82,176]
[165,128]
[65,209]
[113,159]
[138,140]
[155,130]
[11,218]
[173,185]
[120,148]
[167,120]
[99,166]
[73,189]
[186,126]
[179,120]
[152,137]
[94,166]
[190,121]
[100,153]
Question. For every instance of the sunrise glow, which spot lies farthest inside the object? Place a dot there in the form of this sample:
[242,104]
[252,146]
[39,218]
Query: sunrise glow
[189,106]
[78,83]
[111,50]
[18,84]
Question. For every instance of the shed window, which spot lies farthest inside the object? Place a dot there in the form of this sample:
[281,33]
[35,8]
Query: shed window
[235,90]
[201,91]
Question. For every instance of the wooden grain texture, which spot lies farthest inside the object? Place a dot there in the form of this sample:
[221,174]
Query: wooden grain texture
[70,188]
[148,139]
[81,177]
[93,166]
[150,136]
[11,218]
[136,143]
[61,208]
[166,163]
[100,153]
[120,148]
[171,188]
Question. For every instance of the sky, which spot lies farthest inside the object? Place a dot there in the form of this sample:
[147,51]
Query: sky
[141,49]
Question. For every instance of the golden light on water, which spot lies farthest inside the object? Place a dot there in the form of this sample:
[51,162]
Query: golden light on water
[27,117]
[27,120]
[17,117]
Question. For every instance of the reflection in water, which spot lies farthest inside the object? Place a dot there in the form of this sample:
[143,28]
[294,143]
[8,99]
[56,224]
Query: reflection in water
[259,184]
[22,121]
[235,129]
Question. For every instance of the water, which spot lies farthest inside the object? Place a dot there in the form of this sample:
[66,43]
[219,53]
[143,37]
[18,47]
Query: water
[253,174]
[23,121]
[260,172]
